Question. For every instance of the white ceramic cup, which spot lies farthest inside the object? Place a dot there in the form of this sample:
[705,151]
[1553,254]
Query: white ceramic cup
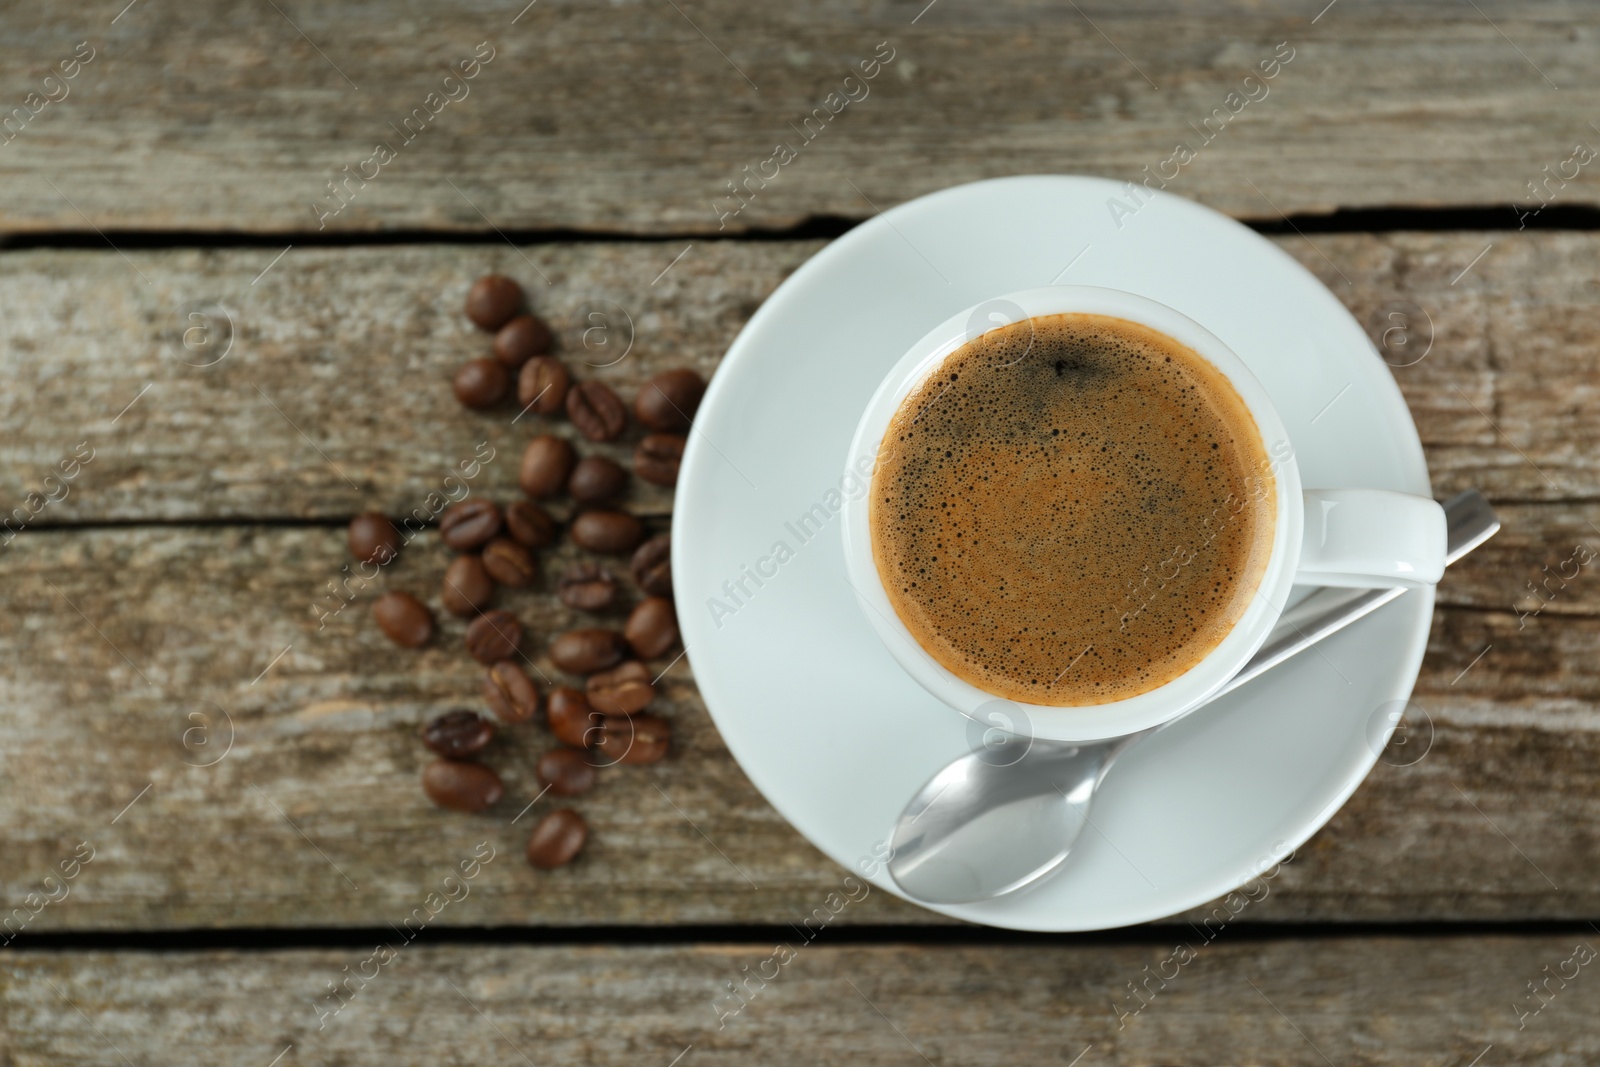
[1364,538]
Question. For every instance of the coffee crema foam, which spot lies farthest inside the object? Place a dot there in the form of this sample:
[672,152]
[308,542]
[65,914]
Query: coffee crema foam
[1073,509]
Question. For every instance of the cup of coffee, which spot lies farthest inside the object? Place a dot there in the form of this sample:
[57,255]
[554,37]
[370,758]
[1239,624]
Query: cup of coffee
[1082,505]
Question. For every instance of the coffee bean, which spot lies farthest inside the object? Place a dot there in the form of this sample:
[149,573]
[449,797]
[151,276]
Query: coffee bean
[494,636]
[467,587]
[657,458]
[652,565]
[469,523]
[640,739]
[404,619]
[510,693]
[596,478]
[530,524]
[542,385]
[493,300]
[588,650]
[461,786]
[652,627]
[557,839]
[509,563]
[457,733]
[611,532]
[566,772]
[595,410]
[587,587]
[520,340]
[622,690]
[482,383]
[545,465]
[668,401]
[372,538]
[571,718]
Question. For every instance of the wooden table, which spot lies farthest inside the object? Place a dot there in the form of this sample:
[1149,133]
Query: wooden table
[161,604]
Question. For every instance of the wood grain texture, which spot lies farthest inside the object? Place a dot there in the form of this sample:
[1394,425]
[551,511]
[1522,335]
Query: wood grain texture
[1372,1001]
[635,118]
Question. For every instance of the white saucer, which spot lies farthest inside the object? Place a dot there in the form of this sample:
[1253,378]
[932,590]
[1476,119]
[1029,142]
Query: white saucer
[817,712]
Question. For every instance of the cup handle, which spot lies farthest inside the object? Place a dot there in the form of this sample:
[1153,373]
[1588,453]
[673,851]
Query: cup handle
[1371,539]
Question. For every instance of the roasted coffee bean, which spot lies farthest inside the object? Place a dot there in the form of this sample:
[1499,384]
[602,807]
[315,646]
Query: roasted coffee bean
[545,465]
[404,619]
[557,839]
[652,627]
[571,718]
[482,383]
[596,478]
[588,650]
[587,587]
[542,385]
[530,524]
[566,772]
[466,587]
[657,458]
[595,410]
[372,538]
[652,565]
[639,739]
[461,786]
[509,563]
[457,733]
[623,690]
[469,523]
[510,693]
[668,401]
[520,340]
[613,532]
[493,300]
[494,636]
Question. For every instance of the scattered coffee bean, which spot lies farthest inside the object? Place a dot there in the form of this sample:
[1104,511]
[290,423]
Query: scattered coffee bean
[668,401]
[565,771]
[510,693]
[657,458]
[461,786]
[545,465]
[587,587]
[469,523]
[652,565]
[571,718]
[587,651]
[652,627]
[520,340]
[493,300]
[623,690]
[596,478]
[372,538]
[530,524]
[557,839]
[509,563]
[494,636]
[457,733]
[595,410]
[542,385]
[482,383]
[640,739]
[611,532]
[404,619]
[466,587]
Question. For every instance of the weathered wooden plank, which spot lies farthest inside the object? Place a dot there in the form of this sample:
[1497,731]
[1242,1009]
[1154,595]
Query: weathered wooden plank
[335,396]
[637,119]
[1375,1001]
[117,646]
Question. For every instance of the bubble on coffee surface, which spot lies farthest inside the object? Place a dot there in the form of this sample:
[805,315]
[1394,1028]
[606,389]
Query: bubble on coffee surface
[1073,509]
